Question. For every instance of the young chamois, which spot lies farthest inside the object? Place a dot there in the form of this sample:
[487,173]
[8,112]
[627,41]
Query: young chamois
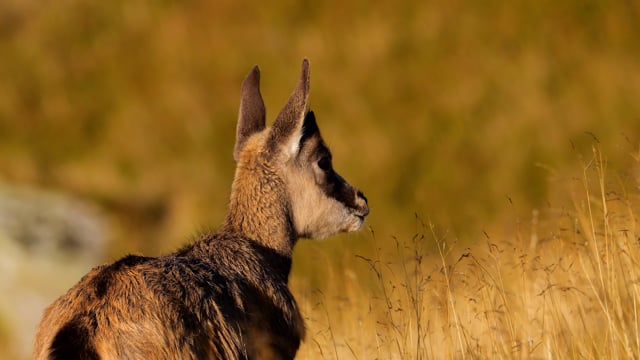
[224,296]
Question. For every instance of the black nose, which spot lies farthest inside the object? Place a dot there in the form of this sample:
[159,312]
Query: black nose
[361,195]
[365,208]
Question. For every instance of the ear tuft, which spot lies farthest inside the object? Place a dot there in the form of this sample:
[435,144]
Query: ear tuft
[252,114]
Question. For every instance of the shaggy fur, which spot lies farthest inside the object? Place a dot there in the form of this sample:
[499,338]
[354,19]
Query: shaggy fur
[225,296]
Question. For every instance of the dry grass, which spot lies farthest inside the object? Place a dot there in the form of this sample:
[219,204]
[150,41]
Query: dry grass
[442,108]
[566,288]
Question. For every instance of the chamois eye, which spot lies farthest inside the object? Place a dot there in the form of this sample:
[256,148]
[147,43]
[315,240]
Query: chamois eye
[324,163]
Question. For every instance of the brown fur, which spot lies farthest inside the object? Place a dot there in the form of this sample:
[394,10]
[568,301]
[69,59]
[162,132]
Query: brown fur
[225,296]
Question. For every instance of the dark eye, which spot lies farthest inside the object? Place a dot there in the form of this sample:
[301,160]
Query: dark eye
[324,163]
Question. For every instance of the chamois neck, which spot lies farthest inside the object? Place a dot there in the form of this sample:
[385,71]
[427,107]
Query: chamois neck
[259,209]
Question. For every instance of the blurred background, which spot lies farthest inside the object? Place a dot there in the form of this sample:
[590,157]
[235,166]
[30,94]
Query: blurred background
[117,120]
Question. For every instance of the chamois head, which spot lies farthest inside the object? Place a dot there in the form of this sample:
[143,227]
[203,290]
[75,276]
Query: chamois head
[285,172]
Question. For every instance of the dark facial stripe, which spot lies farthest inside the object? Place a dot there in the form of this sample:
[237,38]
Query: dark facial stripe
[334,185]
[337,188]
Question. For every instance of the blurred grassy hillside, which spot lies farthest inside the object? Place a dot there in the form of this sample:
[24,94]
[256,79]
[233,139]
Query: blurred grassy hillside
[464,112]
[447,109]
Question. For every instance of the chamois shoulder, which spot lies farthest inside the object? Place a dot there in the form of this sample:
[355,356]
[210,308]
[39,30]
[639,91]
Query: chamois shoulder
[233,253]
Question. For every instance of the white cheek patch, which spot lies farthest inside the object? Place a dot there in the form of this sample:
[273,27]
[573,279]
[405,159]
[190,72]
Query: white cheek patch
[325,217]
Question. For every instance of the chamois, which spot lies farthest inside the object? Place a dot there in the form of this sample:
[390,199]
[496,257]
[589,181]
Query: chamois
[225,296]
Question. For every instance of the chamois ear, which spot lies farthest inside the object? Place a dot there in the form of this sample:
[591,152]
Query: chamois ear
[251,117]
[287,129]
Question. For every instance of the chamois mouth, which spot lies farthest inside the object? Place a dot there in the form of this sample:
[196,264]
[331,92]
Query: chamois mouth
[359,222]
[361,213]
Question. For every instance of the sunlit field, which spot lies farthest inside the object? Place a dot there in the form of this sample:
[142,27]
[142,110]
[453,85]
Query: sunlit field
[565,287]
[497,142]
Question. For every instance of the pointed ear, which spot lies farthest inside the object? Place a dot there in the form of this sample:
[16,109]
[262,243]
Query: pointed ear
[251,117]
[287,128]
